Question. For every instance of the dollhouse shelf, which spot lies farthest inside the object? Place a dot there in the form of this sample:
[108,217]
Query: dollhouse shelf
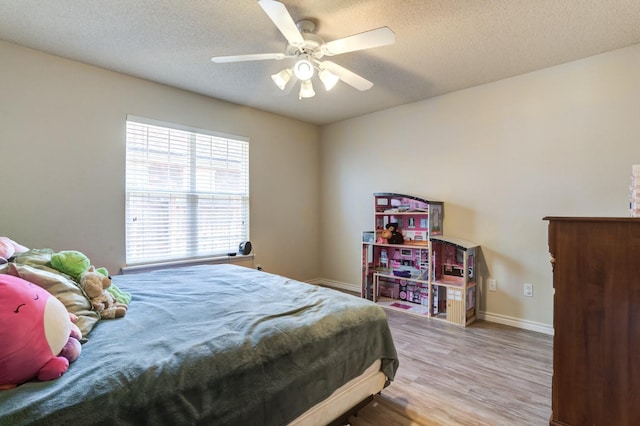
[428,274]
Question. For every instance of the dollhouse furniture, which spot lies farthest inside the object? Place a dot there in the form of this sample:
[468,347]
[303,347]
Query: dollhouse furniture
[453,279]
[428,274]
[596,320]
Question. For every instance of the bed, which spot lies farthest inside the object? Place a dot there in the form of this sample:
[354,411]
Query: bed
[217,344]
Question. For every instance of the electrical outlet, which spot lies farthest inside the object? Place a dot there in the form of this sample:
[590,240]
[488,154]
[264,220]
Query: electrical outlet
[528,290]
[491,283]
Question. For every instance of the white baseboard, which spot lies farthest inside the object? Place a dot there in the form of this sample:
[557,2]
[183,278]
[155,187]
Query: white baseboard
[516,322]
[486,316]
[335,284]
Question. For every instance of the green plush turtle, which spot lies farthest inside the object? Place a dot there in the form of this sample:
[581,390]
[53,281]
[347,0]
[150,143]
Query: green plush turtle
[70,262]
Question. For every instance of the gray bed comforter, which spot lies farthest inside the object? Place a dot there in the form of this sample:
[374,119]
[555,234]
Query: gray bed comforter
[213,345]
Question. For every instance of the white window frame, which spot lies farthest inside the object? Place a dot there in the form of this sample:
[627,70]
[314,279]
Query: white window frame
[187,192]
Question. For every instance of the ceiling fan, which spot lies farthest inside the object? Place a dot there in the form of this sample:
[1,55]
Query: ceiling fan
[308,49]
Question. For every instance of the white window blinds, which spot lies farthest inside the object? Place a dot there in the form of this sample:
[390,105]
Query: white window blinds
[187,192]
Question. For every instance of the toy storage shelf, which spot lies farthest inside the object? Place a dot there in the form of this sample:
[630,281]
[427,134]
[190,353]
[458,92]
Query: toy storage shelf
[428,274]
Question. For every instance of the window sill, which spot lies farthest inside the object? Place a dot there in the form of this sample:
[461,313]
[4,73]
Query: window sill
[134,269]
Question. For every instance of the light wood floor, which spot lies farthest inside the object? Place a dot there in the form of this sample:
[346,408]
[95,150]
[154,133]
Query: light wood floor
[485,374]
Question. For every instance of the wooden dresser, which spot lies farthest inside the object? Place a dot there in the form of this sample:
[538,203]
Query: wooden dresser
[596,320]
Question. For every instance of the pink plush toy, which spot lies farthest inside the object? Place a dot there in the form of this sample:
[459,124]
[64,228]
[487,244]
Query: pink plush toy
[8,248]
[37,334]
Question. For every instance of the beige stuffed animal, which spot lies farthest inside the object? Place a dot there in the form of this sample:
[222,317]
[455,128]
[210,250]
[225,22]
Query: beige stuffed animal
[94,285]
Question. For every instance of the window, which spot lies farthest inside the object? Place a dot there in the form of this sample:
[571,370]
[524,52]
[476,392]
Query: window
[187,192]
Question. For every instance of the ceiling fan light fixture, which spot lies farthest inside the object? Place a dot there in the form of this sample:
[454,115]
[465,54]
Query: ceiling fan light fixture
[328,78]
[306,90]
[303,69]
[308,48]
[282,78]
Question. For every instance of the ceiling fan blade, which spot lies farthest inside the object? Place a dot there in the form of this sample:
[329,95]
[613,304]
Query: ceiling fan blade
[374,38]
[278,13]
[254,57]
[349,77]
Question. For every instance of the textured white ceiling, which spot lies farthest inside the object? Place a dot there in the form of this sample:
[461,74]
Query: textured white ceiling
[441,45]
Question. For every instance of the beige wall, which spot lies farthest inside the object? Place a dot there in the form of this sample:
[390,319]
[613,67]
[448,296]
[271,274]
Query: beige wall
[501,156]
[62,127]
